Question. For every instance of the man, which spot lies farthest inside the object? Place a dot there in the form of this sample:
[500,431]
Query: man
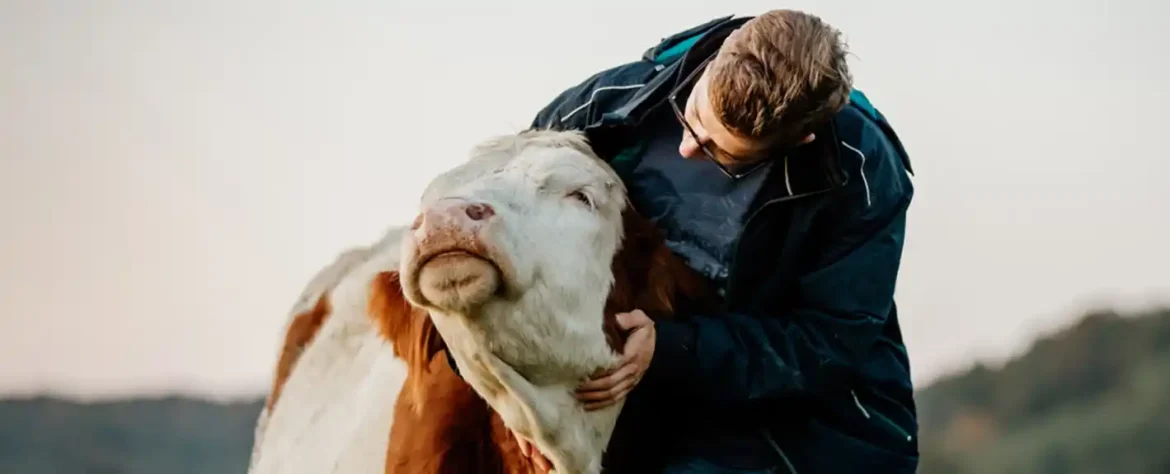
[789,191]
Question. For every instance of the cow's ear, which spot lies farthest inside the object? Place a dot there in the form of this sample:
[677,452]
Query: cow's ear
[387,306]
[430,342]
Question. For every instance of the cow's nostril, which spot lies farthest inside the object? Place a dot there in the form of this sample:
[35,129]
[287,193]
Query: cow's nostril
[479,212]
[418,220]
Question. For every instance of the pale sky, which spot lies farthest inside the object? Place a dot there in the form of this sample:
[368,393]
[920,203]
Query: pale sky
[172,173]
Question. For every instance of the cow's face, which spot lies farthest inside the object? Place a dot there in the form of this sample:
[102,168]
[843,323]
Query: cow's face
[534,217]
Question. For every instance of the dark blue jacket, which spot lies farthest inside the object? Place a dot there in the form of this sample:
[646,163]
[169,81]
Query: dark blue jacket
[804,368]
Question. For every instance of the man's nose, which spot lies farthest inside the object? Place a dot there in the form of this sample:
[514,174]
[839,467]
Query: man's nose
[688,147]
[459,213]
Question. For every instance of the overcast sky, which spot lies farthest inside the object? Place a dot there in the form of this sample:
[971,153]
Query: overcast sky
[172,173]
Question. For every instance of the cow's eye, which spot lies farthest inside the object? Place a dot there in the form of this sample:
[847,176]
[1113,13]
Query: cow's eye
[581,196]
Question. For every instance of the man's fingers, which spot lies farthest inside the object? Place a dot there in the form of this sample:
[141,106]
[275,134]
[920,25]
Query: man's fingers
[591,406]
[618,395]
[609,381]
[632,319]
[605,390]
[613,394]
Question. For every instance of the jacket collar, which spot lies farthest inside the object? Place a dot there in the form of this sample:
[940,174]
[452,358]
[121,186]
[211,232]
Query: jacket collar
[671,47]
[810,169]
[676,55]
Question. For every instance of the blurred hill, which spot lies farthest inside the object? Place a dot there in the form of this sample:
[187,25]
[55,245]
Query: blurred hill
[1092,398]
[170,435]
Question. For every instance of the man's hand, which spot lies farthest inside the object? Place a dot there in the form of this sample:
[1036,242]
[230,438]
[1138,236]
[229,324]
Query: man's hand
[543,465]
[611,386]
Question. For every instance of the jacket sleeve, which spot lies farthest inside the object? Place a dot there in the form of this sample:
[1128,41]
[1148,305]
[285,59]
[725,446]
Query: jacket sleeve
[840,310]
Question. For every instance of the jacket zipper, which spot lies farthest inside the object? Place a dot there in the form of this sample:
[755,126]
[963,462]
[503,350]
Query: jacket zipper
[743,231]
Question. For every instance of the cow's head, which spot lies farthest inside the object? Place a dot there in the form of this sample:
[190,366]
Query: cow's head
[543,217]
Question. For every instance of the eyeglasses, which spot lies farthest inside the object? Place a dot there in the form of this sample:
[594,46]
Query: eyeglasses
[673,99]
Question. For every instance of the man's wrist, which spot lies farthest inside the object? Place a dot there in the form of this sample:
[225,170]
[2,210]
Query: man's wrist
[674,346]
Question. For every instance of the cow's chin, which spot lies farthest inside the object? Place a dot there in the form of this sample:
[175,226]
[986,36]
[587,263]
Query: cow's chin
[458,281]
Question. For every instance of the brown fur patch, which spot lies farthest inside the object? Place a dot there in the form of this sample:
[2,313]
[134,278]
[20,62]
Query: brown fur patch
[441,426]
[649,277]
[409,329]
[300,332]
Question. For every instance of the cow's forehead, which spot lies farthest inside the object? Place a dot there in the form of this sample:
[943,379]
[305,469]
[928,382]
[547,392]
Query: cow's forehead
[463,174]
[549,161]
[561,168]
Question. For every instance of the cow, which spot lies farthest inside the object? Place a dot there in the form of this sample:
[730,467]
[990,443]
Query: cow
[515,268]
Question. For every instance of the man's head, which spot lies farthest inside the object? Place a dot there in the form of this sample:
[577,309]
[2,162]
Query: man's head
[774,81]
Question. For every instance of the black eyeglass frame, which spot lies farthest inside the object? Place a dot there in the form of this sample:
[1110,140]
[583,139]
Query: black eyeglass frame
[673,100]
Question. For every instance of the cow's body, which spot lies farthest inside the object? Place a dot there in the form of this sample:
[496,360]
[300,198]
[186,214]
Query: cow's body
[523,296]
[332,402]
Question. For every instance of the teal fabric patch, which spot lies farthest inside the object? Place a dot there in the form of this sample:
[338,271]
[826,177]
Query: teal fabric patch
[862,102]
[677,50]
[627,159]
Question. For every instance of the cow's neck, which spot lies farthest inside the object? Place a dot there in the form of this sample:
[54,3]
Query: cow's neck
[527,368]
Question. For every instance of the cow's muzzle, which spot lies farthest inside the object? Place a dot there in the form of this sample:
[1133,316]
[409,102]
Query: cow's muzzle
[453,266]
